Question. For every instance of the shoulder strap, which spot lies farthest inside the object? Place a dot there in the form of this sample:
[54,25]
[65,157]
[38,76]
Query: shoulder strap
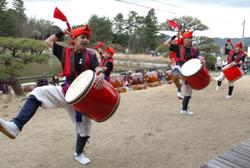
[63,56]
[67,62]
[88,58]
[229,57]
[239,57]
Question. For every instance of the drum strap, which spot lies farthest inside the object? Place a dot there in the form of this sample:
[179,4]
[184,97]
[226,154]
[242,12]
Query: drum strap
[88,59]
[68,62]
[183,56]
[78,117]
[239,56]
[83,61]
[105,61]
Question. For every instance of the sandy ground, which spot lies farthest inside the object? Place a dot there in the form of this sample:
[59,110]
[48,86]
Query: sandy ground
[147,131]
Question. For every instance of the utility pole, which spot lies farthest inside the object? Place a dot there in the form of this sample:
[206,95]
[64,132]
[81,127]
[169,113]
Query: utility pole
[243,33]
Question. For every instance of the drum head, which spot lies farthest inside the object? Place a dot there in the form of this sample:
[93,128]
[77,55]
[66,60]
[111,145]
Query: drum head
[80,86]
[191,67]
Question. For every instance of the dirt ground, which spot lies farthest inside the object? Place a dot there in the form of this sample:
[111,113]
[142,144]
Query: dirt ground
[147,131]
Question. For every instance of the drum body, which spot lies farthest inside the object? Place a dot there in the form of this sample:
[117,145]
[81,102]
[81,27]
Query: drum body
[152,78]
[196,74]
[97,105]
[136,81]
[118,83]
[28,87]
[232,73]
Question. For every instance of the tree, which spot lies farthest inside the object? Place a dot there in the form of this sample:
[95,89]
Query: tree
[15,53]
[186,23]
[208,49]
[150,30]
[18,5]
[119,35]
[9,25]
[118,24]
[3,6]
[40,29]
[133,27]
[21,19]
[101,29]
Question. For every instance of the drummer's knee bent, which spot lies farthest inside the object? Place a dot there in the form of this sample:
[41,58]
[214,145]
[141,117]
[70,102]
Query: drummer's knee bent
[83,128]
[176,78]
[187,90]
[221,77]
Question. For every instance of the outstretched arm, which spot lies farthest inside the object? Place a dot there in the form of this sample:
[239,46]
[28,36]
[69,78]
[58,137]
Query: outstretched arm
[55,37]
[170,41]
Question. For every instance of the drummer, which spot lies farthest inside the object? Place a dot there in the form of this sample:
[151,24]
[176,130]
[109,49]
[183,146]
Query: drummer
[237,57]
[74,60]
[99,48]
[184,52]
[176,73]
[107,62]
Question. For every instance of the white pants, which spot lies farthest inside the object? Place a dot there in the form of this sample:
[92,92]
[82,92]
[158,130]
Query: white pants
[221,77]
[53,97]
[186,88]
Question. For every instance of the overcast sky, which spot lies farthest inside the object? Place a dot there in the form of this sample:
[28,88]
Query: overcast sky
[223,17]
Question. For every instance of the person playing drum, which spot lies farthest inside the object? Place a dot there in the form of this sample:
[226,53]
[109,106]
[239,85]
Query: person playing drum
[184,52]
[99,49]
[175,70]
[176,73]
[74,60]
[236,57]
[107,62]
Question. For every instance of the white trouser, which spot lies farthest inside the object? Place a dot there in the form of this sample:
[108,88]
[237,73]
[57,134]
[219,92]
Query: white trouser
[186,88]
[53,97]
[221,77]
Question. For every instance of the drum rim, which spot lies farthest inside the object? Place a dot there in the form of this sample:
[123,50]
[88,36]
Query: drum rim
[83,94]
[195,72]
[226,67]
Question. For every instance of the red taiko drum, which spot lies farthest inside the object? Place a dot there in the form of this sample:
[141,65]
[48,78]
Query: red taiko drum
[118,83]
[195,73]
[152,76]
[152,79]
[136,80]
[232,73]
[97,105]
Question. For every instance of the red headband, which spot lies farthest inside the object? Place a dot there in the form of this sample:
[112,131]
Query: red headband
[85,30]
[239,44]
[229,40]
[188,34]
[110,50]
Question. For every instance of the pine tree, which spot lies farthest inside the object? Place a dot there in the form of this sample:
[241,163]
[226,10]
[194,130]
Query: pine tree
[18,5]
[21,20]
[3,6]
[150,30]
